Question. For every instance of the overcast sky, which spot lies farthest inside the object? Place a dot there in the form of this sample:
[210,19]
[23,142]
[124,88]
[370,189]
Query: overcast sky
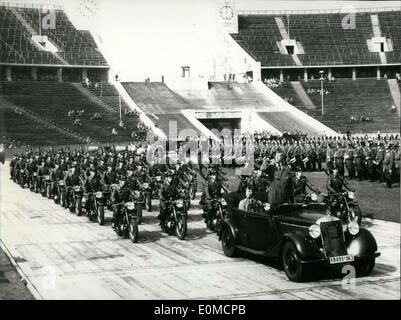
[154,37]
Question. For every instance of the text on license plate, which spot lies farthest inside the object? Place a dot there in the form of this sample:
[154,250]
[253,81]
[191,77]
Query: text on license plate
[341,259]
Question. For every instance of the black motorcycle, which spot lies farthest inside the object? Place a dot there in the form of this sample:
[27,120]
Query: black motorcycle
[95,203]
[75,201]
[216,213]
[59,193]
[343,206]
[147,196]
[126,224]
[45,186]
[175,220]
[34,182]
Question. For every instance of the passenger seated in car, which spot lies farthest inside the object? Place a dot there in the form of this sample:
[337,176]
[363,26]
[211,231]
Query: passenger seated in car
[250,203]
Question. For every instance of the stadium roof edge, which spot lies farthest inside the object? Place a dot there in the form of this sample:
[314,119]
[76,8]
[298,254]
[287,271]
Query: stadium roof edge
[31,5]
[52,65]
[316,11]
[331,66]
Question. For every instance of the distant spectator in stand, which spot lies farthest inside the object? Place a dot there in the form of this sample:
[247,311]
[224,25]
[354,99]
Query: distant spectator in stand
[393,108]
[114,132]
[96,86]
[398,76]
[385,76]
[333,79]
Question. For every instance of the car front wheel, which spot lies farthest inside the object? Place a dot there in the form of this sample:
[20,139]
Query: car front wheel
[291,262]
[364,267]
[228,243]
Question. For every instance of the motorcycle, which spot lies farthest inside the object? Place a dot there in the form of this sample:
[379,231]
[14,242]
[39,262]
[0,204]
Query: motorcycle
[147,196]
[216,215]
[156,186]
[126,224]
[59,194]
[75,202]
[175,221]
[388,177]
[137,199]
[33,184]
[22,178]
[46,186]
[344,206]
[193,186]
[95,203]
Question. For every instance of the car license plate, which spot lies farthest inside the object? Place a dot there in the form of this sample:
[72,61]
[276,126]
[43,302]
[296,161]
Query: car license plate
[341,259]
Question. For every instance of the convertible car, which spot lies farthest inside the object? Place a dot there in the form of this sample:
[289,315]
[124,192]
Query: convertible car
[300,235]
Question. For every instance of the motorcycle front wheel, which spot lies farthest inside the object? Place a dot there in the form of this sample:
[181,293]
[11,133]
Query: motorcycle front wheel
[133,231]
[148,202]
[78,207]
[181,227]
[100,215]
[139,213]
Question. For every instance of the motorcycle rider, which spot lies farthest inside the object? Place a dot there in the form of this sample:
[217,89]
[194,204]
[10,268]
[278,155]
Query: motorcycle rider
[299,185]
[168,191]
[72,179]
[336,183]
[212,190]
[92,184]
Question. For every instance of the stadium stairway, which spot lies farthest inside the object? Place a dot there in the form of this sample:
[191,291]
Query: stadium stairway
[299,89]
[161,105]
[395,92]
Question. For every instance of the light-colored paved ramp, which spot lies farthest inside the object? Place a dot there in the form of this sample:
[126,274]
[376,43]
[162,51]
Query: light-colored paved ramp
[67,257]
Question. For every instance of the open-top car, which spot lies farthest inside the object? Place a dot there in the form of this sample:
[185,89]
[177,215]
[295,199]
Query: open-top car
[300,235]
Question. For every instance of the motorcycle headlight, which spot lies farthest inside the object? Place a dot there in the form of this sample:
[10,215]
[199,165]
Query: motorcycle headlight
[99,194]
[22,171]
[223,202]
[179,203]
[158,178]
[83,200]
[146,185]
[314,197]
[266,206]
[61,183]
[314,231]
[34,174]
[130,205]
[77,188]
[353,228]
[47,177]
[351,195]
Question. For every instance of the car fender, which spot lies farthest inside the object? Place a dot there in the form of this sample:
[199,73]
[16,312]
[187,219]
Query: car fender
[228,224]
[362,244]
[305,246]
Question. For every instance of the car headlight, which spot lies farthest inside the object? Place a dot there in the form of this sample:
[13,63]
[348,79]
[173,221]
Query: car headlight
[223,202]
[314,231]
[353,228]
[314,197]
[179,203]
[130,205]
[351,195]
[266,206]
[99,194]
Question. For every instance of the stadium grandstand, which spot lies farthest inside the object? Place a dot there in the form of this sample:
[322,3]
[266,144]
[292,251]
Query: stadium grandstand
[306,71]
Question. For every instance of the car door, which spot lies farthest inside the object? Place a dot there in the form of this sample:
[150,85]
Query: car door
[239,221]
[259,230]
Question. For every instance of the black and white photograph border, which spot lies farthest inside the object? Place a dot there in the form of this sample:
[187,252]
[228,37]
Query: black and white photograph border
[199,150]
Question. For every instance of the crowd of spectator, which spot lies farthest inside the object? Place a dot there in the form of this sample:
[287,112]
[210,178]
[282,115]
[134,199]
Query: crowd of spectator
[360,119]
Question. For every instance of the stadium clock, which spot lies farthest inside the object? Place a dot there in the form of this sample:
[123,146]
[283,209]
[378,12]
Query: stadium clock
[226,12]
[88,8]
